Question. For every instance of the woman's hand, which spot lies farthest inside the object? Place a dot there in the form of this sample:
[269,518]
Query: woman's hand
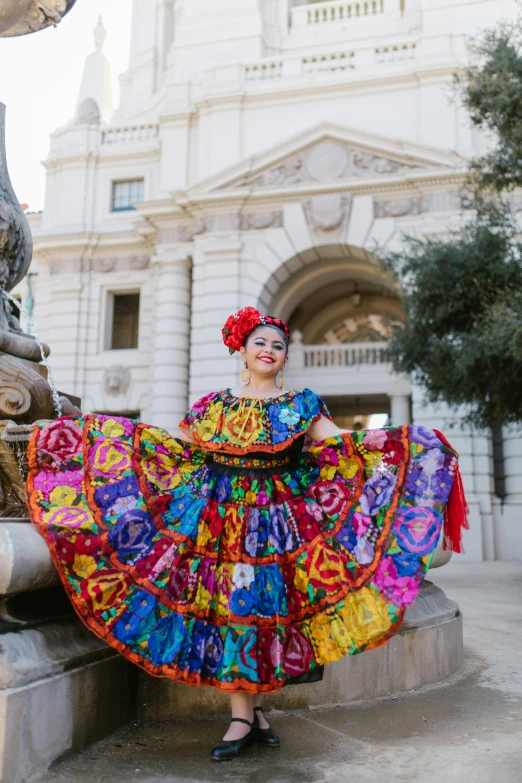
[180,434]
[324,428]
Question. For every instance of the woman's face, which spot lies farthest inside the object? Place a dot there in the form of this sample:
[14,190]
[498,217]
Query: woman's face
[264,352]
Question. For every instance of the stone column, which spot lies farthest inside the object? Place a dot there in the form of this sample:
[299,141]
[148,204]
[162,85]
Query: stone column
[508,519]
[513,466]
[215,296]
[170,360]
[400,409]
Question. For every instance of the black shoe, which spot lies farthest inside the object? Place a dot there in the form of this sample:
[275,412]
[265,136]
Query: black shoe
[266,737]
[229,749]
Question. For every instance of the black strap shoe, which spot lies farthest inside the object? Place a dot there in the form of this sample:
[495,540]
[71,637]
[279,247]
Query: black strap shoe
[266,737]
[229,749]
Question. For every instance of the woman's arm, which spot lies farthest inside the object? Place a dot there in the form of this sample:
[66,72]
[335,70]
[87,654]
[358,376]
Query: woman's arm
[324,428]
[180,434]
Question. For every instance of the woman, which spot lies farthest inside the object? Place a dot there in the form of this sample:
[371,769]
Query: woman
[258,544]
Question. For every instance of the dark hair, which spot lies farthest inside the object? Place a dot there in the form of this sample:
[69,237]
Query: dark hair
[267,326]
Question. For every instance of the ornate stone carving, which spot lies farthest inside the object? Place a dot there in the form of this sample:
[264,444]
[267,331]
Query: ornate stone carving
[187,233]
[12,486]
[15,399]
[116,380]
[260,220]
[328,160]
[442,201]
[399,207]
[288,173]
[327,212]
[104,264]
[139,262]
[88,113]
[68,406]
[25,395]
[33,15]
[16,244]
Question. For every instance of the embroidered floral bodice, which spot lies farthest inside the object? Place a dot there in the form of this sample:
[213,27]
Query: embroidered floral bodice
[243,425]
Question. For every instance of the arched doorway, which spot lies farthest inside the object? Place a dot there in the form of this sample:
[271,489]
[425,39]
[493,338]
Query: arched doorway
[341,306]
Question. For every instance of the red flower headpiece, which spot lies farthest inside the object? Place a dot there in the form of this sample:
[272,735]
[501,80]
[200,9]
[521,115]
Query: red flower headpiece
[239,326]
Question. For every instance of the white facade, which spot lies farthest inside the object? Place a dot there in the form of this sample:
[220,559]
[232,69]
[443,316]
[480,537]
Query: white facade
[280,145]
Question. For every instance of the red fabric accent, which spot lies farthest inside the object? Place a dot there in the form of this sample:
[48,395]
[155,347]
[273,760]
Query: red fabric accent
[456,514]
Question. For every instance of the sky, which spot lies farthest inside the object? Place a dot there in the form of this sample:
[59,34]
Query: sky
[40,76]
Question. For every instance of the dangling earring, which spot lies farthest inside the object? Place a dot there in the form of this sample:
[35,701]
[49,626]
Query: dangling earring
[282,387]
[244,375]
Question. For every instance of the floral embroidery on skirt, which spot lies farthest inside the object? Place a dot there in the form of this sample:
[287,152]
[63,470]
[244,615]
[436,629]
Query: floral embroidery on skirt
[239,575]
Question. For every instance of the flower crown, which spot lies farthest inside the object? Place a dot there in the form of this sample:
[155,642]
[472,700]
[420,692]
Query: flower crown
[242,323]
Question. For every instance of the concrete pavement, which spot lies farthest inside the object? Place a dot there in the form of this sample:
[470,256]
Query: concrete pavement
[470,727]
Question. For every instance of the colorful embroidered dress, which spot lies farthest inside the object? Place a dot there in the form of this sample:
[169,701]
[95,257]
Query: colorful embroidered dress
[245,560]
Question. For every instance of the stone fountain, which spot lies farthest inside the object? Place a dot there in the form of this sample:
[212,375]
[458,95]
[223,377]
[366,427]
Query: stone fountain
[60,687]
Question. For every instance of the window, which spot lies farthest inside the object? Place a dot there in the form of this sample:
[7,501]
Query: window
[125,321]
[125,195]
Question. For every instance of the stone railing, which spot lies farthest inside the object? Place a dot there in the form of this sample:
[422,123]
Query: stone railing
[264,70]
[346,368]
[130,134]
[334,11]
[322,63]
[395,53]
[334,64]
[345,355]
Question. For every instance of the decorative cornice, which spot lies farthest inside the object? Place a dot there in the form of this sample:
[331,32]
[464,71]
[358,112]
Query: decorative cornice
[105,155]
[108,245]
[381,78]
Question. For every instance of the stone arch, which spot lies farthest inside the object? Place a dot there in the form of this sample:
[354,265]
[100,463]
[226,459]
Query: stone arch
[314,289]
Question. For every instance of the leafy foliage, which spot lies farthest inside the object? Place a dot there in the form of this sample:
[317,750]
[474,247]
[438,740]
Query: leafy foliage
[491,91]
[462,337]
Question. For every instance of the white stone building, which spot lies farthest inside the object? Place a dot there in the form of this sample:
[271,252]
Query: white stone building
[262,151]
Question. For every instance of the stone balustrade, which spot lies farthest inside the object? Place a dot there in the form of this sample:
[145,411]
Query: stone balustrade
[292,67]
[334,11]
[328,63]
[347,368]
[265,70]
[130,134]
[344,355]
[395,53]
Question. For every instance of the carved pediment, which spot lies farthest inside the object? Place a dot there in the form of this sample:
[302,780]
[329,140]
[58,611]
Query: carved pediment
[326,161]
[329,153]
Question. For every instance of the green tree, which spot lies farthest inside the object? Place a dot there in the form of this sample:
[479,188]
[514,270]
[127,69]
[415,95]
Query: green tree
[462,336]
[491,91]
[462,296]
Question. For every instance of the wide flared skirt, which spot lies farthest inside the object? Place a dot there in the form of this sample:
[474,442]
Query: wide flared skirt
[240,574]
